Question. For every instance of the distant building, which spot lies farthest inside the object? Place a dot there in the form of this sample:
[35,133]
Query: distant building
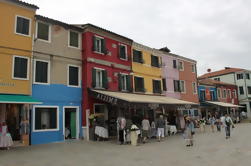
[238,77]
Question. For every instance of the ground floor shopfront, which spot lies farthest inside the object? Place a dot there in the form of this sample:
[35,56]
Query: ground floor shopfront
[246,107]
[15,111]
[107,107]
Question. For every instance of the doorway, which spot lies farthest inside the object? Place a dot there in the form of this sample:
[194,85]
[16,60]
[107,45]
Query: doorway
[71,123]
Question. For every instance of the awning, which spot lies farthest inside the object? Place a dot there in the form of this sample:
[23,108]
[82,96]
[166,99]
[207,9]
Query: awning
[117,97]
[222,104]
[18,99]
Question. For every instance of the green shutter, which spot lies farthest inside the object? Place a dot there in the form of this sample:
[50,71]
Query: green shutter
[94,47]
[103,46]
[105,79]
[152,60]
[128,83]
[93,78]
[164,84]
[143,85]
[120,82]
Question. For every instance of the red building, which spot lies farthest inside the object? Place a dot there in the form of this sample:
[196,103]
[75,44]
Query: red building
[106,66]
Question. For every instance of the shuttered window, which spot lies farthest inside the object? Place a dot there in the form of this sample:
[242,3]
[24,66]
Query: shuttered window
[73,76]
[41,71]
[122,52]
[22,25]
[156,86]
[139,84]
[99,45]
[155,61]
[99,78]
[124,81]
[137,56]
[174,64]
[43,31]
[74,39]
[20,68]
[164,84]
[179,86]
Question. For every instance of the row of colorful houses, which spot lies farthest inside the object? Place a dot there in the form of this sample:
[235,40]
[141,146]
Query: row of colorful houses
[55,76]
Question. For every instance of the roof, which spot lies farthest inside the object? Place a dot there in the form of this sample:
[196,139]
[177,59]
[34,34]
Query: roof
[23,4]
[227,70]
[102,29]
[52,21]
[18,99]
[222,104]
[141,98]
[208,81]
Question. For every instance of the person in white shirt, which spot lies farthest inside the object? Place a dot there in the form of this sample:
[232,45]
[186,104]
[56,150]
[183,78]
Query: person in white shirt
[145,129]
[227,122]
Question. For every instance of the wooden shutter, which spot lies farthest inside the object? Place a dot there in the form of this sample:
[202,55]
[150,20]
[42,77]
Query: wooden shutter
[93,77]
[143,85]
[120,82]
[105,79]
[129,83]
[103,46]
[152,61]
[174,64]
[164,84]
[135,56]
[94,47]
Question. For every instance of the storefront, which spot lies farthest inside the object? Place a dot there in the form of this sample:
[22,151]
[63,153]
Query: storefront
[15,111]
[108,106]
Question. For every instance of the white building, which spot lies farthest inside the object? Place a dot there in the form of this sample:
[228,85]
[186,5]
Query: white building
[239,77]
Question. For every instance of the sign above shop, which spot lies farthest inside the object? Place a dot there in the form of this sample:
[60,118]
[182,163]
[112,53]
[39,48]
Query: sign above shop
[7,84]
[107,99]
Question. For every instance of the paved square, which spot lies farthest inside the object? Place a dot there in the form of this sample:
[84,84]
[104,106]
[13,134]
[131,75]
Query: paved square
[210,149]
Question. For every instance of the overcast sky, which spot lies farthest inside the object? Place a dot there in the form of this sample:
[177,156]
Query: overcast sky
[215,33]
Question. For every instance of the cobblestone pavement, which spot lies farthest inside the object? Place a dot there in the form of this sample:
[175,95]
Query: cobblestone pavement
[210,149]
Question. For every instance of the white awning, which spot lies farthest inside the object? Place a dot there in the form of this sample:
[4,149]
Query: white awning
[222,104]
[141,98]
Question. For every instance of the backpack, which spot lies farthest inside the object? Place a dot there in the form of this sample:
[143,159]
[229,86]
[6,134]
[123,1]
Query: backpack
[227,123]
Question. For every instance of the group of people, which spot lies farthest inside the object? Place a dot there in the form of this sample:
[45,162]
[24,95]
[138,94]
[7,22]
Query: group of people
[5,137]
[131,132]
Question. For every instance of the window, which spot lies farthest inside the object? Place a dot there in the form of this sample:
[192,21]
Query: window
[181,66]
[43,31]
[224,95]
[42,69]
[137,56]
[164,84]
[155,61]
[122,51]
[174,64]
[124,82]
[74,39]
[217,79]
[219,93]
[202,95]
[22,25]
[99,108]
[156,86]
[74,75]
[249,90]
[247,76]
[99,78]
[229,93]
[234,93]
[239,76]
[179,86]
[46,118]
[139,84]
[195,113]
[241,90]
[194,86]
[99,45]
[193,68]
[20,67]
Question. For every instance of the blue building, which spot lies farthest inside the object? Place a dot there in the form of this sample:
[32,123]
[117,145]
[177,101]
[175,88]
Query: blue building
[57,62]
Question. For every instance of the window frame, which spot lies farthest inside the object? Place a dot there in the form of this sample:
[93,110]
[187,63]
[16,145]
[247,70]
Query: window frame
[247,76]
[49,72]
[34,115]
[242,90]
[184,86]
[234,93]
[155,56]
[127,88]
[49,33]
[15,28]
[68,76]
[219,95]
[224,93]
[102,81]
[100,38]
[142,57]
[194,87]
[249,88]
[69,37]
[239,74]
[183,67]
[126,53]
[28,68]
[159,80]
[193,68]
[134,82]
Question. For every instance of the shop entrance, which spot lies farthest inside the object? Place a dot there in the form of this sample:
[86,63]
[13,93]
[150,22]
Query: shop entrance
[71,122]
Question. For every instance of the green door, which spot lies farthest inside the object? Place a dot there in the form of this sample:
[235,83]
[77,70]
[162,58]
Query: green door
[73,125]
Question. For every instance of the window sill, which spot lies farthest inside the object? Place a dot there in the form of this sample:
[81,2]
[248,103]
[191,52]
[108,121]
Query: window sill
[16,78]
[45,130]
[123,59]
[22,34]
[40,83]
[98,52]
[74,47]
[74,86]
[138,62]
[42,40]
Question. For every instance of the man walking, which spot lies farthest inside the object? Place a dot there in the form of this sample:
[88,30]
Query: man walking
[227,124]
[160,128]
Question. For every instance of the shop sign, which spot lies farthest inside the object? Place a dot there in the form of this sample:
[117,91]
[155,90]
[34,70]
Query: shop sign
[107,99]
[153,106]
[6,84]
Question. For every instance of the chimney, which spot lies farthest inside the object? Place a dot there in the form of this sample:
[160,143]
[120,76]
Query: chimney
[165,49]
[227,68]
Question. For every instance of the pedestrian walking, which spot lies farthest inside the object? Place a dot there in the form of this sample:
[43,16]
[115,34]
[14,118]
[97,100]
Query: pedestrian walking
[153,130]
[212,122]
[189,131]
[145,129]
[161,128]
[227,124]
[218,124]
[121,122]
[203,124]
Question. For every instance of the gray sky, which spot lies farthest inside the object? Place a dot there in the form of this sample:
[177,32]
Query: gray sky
[215,33]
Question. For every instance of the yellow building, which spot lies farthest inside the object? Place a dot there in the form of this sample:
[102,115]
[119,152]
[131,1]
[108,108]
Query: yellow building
[16,36]
[146,67]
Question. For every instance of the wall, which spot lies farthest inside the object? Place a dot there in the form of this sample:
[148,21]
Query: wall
[8,14]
